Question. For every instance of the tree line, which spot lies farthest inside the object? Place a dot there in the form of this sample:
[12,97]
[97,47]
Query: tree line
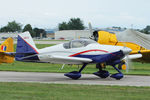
[146,30]
[72,24]
[17,27]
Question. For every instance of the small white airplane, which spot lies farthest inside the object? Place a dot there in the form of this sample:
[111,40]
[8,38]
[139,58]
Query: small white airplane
[80,51]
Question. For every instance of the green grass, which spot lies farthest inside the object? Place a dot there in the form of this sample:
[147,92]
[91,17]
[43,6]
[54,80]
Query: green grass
[138,69]
[39,46]
[39,91]
[51,40]
[37,40]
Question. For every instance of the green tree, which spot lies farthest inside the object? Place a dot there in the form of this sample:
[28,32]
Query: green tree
[5,29]
[28,27]
[146,30]
[73,24]
[39,31]
[63,26]
[11,27]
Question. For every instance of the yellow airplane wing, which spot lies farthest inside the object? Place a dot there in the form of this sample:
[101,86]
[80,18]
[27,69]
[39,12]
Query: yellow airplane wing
[6,46]
[145,55]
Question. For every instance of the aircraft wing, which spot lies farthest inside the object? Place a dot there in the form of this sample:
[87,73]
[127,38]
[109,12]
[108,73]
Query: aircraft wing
[57,59]
[134,56]
[145,55]
[141,52]
[64,59]
[69,60]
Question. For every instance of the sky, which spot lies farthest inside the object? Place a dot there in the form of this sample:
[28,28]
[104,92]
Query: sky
[101,13]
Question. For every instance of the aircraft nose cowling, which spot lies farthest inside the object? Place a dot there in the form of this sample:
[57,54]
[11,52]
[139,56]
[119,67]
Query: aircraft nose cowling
[126,50]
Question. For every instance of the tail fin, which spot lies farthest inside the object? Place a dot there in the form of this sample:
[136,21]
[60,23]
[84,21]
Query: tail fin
[6,46]
[25,46]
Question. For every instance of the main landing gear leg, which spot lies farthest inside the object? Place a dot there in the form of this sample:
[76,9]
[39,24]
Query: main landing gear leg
[117,76]
[101,73]
[75,74]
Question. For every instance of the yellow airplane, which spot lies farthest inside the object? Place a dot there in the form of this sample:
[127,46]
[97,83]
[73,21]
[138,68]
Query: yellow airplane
[5,48]
[108,38]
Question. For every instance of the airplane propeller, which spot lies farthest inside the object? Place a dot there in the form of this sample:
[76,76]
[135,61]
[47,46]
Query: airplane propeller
[91,31]
[127,61]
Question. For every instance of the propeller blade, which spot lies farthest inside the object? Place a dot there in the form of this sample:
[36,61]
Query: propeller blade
[91,31]
[126,51]
[127,63]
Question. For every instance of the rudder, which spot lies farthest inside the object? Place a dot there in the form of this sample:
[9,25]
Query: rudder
[6,46]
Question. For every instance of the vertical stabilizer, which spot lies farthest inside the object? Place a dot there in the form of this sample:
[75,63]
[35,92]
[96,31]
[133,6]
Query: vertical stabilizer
[25,46]
[6,46]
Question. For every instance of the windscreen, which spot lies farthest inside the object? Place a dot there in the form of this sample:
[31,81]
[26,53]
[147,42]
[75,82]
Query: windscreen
[78,43]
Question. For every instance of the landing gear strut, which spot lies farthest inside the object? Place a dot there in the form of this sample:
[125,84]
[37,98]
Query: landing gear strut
[101,73]
[104,74]
[120,65]
[117,76]
[75,74]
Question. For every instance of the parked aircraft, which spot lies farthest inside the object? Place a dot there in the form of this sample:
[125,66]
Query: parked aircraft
[80,51]
[107,38]
[5,47]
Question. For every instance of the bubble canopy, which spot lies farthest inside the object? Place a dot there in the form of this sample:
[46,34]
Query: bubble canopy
[78,43]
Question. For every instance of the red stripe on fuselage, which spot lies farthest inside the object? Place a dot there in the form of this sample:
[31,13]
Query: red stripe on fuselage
[88,51]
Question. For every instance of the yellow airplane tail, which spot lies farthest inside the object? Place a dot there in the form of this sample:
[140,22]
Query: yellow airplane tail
[6,46]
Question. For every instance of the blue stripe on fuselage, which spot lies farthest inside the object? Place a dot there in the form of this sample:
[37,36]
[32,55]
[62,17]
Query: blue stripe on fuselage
[108,58]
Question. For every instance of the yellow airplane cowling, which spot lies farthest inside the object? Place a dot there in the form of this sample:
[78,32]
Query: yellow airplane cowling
[6,46]
[106,37]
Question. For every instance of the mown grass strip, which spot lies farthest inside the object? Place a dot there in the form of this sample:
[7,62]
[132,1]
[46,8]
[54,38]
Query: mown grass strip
[38,91]
[137,69]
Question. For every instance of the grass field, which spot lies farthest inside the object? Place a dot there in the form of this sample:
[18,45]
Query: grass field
[137,68]
[37,91]
[39,46]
